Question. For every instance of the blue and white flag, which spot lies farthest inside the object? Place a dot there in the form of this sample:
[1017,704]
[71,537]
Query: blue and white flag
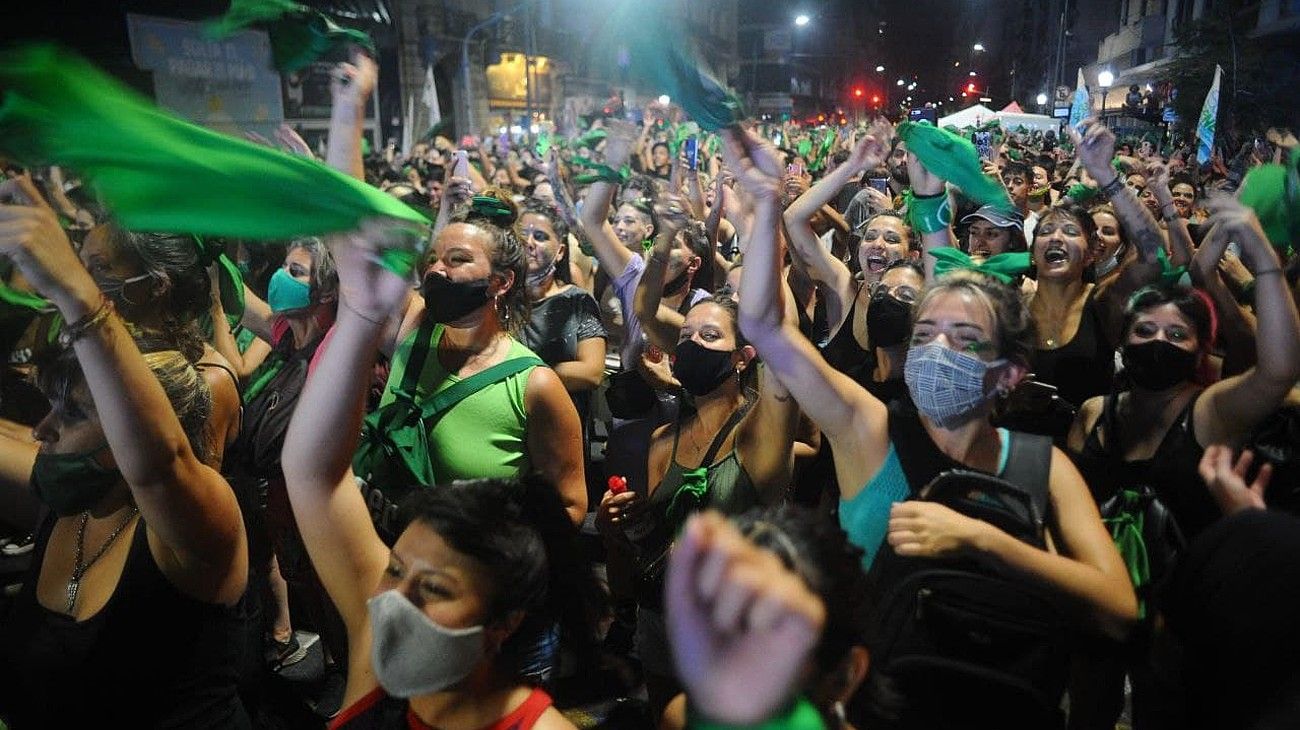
[1209,120]
[1080,107]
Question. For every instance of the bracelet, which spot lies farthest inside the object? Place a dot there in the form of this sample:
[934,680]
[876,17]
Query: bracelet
[352,309]
[76,330]
[1110,188]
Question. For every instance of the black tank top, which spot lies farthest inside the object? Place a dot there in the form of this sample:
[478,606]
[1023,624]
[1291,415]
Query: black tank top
[1083,367]
[1170,472]
[844,353]
[151,657]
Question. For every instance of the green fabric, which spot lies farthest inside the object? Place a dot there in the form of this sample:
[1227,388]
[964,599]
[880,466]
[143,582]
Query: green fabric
[490,207]
[591,139]
[299,35]
[1081,193]
[670,67]
[1126,529]
[1273,192]
[543,145]
[263,376]
[1169,275]
[690,497]
[1004,267]
[800,715]
[954,159]
[406,441]
[158,173]
[229,278]
[805,148]
[11,297]
[929,214]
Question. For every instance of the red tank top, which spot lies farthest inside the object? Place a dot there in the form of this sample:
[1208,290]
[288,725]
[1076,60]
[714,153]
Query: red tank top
[378,711]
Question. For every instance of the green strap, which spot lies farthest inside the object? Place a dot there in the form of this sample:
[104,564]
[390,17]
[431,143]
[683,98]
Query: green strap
[446,399]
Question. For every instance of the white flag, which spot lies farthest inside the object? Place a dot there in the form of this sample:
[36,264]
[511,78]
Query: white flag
[430,97]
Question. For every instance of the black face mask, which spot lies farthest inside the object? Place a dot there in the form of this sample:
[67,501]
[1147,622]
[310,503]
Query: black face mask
[71,483]
[1157,365]
[449,301]
[889,321]
[701,370]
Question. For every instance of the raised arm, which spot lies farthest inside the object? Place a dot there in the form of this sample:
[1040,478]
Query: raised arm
[854,421]
[1096,148]
[765,439]
[1228,410]
[186,504]
[350,88]
[928,186]
[661,324]
[1179,239]
[330,511]
[833,277]
[594,218]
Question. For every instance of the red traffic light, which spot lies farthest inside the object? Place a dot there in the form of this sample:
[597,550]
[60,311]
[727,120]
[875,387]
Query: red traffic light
[858,92]
[970,88]
[875,99]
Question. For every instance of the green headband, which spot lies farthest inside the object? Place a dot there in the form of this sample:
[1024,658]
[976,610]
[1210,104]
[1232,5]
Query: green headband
[490,207]
[1004,267]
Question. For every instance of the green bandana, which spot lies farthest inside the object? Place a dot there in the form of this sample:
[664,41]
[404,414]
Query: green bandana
[1004,267]
[490,207]
[58,109]
[1126,532]
[299,35]
[1273,192]
[929,214]
[229,278]
[1081,193]
[688,499]
[11,297]
[543,144]
[1169,275]
[591,139]
[805,148]
[954,159]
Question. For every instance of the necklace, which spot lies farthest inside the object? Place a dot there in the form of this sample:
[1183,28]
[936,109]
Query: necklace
[80,568]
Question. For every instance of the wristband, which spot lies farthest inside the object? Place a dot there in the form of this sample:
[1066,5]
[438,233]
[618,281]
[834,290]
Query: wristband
[799,715]
[1109,189]
[929,214]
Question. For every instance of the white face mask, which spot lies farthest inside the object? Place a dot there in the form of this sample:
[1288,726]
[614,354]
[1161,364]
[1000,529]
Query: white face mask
[411,654]
[1107,266]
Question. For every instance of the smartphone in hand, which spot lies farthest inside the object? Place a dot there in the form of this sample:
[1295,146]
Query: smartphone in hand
[692,146]
[879,183]
[462,164]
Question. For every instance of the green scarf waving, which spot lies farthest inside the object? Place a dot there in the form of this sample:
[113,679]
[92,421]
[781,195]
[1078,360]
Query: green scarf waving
[299,35]
[954,159]
[58,109]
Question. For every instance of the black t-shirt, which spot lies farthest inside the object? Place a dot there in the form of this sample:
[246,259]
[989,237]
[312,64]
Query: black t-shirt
[558,323]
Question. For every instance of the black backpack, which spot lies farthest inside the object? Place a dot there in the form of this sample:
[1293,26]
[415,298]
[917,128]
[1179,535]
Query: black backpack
[957,643]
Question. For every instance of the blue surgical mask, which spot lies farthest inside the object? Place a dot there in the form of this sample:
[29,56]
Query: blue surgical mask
[947,386]
[286,293]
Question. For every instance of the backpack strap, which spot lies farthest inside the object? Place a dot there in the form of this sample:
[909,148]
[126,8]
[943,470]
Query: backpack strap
[1029,467]
[445,400]
[419,355]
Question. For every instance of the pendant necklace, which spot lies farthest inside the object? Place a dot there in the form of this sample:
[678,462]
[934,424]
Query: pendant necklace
[80,568]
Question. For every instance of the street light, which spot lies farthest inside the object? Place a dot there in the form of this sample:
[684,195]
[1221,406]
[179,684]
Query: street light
[978,47]
[1104,80]
[880,69]
[1042,102]
[664,100]
[801,20]
[900,82]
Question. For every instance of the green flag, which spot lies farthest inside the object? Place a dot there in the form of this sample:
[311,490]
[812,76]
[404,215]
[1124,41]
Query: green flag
[158,173]
[299,35]
[954,159]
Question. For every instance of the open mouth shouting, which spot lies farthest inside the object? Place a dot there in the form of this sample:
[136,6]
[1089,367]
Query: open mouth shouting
[1056,255]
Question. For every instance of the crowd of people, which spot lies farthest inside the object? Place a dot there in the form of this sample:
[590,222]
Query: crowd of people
[808,426]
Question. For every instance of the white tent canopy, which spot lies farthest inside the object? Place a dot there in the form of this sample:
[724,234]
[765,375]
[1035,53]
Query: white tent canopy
[971,116]
[977,115]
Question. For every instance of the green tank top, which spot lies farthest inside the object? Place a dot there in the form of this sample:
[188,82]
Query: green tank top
[484,435]
[730,490]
